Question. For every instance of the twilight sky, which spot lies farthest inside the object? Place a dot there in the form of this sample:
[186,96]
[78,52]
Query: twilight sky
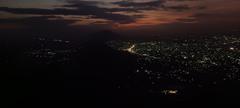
[153,16]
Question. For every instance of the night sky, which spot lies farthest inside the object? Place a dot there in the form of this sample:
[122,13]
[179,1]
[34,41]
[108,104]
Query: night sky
[130,16]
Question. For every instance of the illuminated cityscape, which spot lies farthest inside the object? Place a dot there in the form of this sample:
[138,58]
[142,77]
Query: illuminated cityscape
[49,51]
[200,62]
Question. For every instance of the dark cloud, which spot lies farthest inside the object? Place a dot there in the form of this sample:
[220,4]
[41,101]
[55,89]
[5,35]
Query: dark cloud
[156,4]
[141,5]
[82,8]
[91,5]
[91,8]
[187,20]
[178,8]
[38,21]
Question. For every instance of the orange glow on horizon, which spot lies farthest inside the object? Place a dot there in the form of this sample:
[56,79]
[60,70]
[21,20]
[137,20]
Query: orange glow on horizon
[153,18]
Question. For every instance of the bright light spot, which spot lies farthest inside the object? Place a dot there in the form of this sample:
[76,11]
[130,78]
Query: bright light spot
[130,49]
[231,48]
[173,92]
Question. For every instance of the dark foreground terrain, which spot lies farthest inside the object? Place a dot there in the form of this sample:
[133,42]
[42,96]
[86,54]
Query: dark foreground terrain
[44,71]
